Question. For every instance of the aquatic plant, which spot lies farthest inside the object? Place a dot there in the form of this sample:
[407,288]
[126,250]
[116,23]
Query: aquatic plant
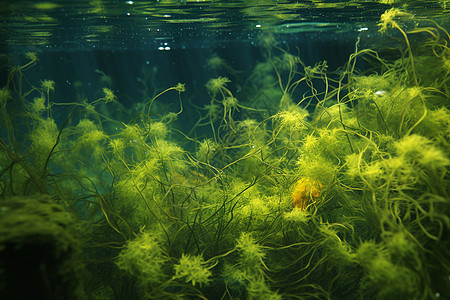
[297,215]
[388,19]
[218,85]
[219,64]
[109,95]
[251,253]
[392,279]
[308,184]
[193,269]
[257,289]
[143,257]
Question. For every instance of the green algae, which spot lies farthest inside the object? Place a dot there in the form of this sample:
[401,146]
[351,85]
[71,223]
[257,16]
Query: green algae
[161,220]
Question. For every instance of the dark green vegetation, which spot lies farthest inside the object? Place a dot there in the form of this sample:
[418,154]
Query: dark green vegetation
[39,251]
[218,222]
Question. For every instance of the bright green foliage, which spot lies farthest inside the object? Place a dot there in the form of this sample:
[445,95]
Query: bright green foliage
[258,289]
[292,125]
[38,105]
[251,253]
[256,209]
[251,133]
[297,215]
[158,130]
[193,269]
[388,19]
[436,125]
[352,166]
[91,138]
[217,85]
[206,150]
[48,85]
[400,246]
[109,95]
[338,250]
[143,257]
[396,279]
[411,146]
[44,136]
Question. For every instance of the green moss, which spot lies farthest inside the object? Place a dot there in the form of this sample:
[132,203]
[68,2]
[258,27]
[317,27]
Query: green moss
[40,252]
[143,258]
[43,137]
[193,269]
[258,289]
[297,216]
[251,253]
[420,149]
[391,280]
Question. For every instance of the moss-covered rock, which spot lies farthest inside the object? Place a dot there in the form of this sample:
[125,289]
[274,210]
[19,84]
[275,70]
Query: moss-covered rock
[39,253]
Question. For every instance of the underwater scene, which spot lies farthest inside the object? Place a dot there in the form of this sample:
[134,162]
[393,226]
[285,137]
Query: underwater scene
[254,149]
